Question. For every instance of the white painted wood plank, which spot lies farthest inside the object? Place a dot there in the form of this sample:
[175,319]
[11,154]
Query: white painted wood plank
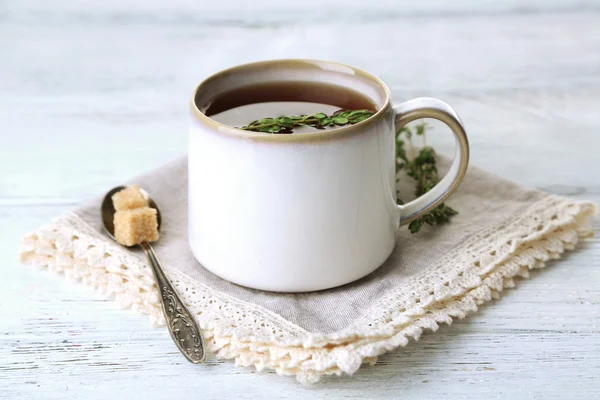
[25,10]
[105,87]
[66,340]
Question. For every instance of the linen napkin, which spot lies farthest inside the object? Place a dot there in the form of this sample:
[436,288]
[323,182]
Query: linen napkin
[502,231]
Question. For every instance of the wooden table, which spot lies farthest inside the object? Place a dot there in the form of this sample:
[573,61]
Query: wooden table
[81,87]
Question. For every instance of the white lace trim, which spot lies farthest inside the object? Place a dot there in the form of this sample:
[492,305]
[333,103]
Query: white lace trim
[468,276]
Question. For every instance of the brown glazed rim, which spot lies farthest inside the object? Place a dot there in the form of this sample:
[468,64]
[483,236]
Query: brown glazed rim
[270,137]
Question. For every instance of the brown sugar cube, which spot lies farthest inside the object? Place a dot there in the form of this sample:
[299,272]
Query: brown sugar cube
[136,226]
[129,198]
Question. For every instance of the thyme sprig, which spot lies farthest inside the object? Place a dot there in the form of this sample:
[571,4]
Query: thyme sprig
[319,120]
[422,167]
[419,164]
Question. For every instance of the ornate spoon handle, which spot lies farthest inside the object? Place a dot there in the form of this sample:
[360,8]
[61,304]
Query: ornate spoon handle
[182,326]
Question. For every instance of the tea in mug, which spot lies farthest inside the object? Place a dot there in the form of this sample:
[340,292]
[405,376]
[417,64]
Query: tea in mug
[239,107]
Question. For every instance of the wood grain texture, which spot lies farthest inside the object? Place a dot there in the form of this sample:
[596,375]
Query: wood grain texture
[82,86]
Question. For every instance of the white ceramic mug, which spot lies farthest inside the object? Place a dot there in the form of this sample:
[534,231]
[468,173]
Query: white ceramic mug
[304,212]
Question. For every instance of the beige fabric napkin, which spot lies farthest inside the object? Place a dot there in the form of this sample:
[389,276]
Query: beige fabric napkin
[502,231]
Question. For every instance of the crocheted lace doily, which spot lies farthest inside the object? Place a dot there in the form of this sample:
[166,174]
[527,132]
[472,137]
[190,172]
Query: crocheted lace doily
[471,274]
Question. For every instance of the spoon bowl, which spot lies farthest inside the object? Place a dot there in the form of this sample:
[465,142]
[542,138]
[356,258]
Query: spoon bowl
[107,210]
[183,328]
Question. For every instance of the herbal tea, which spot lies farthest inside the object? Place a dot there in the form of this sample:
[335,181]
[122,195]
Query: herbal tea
[290,107]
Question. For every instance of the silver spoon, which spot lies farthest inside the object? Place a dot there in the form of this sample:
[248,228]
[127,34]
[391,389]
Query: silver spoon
[182,326]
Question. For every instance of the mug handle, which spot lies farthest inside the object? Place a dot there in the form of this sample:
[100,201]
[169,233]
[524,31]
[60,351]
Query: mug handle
[426,107]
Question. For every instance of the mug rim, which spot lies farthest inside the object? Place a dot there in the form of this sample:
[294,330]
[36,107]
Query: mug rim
[336,133]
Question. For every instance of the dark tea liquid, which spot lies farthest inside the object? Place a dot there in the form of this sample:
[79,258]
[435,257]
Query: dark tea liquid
[241,106]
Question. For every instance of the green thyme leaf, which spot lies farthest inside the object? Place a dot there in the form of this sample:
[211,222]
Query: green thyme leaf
[340,120]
